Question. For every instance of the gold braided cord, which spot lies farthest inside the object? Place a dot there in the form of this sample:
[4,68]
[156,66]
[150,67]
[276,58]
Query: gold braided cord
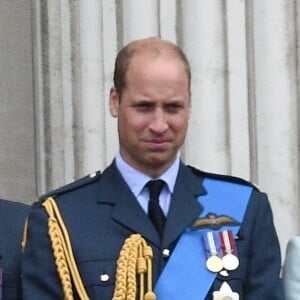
[25,235]
[69,255]
[141,269]
[64,258]
[58,252]
[135,260]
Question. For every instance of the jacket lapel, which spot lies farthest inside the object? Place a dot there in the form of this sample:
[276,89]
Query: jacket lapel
[126,211]
[129,213]
[184,208]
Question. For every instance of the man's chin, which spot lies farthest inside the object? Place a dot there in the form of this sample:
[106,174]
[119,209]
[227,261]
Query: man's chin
[159,160]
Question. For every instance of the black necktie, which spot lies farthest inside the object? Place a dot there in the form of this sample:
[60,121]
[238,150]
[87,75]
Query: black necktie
[154,210]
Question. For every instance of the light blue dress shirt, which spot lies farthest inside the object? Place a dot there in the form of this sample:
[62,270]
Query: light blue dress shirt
[137,180]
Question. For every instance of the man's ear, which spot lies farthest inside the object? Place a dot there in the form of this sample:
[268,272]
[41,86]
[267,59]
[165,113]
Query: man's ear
[114,101]
[190,105]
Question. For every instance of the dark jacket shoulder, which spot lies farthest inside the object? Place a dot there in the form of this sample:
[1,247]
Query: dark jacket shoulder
[12,210]
[13,206]
[222,177]
[75,185]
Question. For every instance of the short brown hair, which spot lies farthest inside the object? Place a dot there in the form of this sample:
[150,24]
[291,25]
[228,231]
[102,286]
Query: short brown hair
[153,45]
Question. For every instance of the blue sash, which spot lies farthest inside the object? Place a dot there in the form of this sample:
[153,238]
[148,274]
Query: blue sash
[185,275]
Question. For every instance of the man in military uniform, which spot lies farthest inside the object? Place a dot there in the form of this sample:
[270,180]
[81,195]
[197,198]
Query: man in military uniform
[12,220]
[211,236]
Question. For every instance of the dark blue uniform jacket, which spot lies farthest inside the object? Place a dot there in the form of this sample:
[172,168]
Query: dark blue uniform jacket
[101,212]
[12,220]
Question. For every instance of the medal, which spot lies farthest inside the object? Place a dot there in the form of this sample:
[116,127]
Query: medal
[214,263]
[225,293]
[212,247]
[230,259]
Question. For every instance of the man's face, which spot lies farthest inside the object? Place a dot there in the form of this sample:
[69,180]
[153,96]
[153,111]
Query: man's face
[153,112]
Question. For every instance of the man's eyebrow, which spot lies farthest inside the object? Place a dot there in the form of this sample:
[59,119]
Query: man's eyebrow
[142,101]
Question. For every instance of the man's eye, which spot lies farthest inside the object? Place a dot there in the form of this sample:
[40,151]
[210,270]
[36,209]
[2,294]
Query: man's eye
[143,107]
[174,108]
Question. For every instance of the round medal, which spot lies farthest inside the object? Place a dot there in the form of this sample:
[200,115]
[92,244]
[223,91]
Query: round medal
[214,263]
[230,262]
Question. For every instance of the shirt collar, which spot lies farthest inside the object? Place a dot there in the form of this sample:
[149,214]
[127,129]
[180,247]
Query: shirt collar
[136,180]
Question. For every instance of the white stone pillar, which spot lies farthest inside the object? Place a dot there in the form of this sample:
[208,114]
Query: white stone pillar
[17,126]
[276,102]
[92,87]
[207,144]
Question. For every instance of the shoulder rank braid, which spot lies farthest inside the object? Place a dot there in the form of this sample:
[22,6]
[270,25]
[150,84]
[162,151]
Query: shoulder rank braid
[135,260]
[63,254]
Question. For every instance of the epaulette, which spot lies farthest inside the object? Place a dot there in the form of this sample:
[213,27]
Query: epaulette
[72,186]
[228,178]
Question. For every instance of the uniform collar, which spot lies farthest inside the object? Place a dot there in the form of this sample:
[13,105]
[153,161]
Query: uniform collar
[136,180]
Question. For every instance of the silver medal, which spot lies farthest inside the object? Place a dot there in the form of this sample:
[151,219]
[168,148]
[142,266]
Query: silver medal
[230,262]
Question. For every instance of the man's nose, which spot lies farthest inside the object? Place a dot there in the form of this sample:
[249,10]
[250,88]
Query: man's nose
[159,121]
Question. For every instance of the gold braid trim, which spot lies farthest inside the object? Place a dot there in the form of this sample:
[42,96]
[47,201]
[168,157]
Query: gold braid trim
[63,254]
[24,236]
[135,260]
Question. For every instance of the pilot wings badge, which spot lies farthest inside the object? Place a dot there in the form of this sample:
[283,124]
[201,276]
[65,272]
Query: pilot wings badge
[212,221]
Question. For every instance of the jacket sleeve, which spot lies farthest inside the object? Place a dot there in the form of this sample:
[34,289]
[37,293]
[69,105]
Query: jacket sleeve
[264,265]
[291,270]
[39,275]
[258,274]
